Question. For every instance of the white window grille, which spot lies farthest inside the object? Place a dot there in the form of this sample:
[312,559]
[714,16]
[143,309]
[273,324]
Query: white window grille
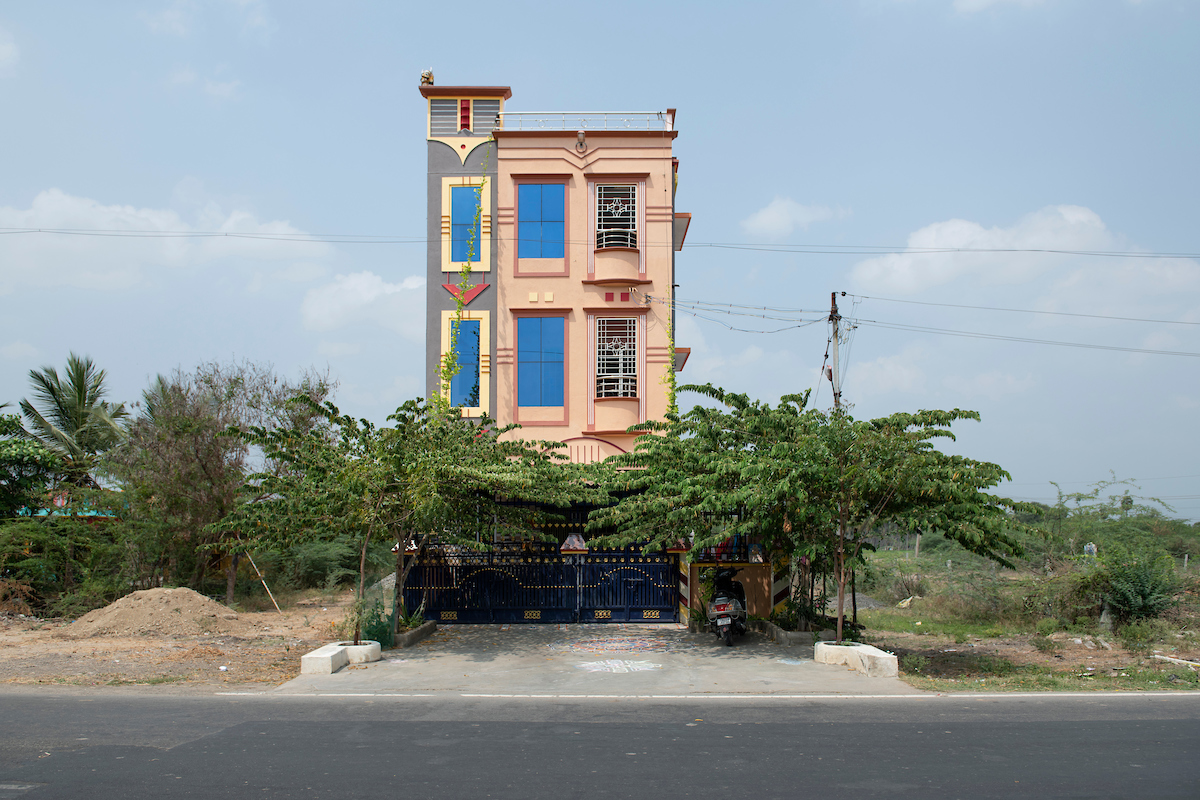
[616,357]
[443,117]
[616,216]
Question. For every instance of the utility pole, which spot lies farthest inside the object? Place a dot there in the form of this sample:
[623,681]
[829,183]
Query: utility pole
[835,370]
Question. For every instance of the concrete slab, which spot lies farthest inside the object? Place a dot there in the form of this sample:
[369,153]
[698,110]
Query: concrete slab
[591,660]
[325,660]
[864,658]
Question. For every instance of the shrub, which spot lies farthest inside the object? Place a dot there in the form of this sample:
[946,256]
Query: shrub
[64,564]
[1140,634]
[1141,585]
[1046,626]
[914,662]
[1077,590]
[1044,644]
[377,625]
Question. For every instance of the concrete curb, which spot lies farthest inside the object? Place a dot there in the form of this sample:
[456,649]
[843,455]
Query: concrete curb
[871,661]
[415,635]
[328,659]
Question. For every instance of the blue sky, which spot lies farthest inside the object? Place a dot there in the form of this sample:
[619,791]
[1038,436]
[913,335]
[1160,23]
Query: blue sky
[888,126]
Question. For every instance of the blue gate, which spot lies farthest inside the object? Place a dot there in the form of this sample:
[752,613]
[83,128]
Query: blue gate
[533,582]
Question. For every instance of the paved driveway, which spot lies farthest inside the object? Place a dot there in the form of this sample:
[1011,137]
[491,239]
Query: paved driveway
[659,660]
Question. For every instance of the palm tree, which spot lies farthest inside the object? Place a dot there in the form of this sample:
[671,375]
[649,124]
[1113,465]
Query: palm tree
[71,418]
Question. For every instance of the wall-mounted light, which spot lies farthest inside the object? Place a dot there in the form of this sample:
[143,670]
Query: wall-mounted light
[581,142]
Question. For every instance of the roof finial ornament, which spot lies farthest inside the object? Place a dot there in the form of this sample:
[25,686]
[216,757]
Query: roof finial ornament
[427,77]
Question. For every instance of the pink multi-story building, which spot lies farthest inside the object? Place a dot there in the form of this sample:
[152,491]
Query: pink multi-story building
[568,327]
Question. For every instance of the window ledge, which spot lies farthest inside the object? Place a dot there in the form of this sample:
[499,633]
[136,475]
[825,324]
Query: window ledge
[610,399]
[617,282]
[618,249]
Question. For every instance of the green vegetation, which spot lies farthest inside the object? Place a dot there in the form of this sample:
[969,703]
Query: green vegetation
[812,486]
[432,473]
[981,673]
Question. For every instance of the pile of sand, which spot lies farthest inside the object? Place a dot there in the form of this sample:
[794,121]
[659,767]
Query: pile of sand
[179,612]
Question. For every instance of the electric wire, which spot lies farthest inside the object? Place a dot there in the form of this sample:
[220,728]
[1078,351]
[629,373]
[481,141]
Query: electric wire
[1023,339]
[802,249]
[1024,310]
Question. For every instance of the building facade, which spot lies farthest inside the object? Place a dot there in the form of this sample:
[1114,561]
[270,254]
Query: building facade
[567,328]
[566,227]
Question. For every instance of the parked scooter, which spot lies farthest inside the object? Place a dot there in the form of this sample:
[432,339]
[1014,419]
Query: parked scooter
[727,611]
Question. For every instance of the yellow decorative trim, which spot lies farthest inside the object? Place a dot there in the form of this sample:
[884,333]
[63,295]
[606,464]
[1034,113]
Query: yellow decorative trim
[533,615]
[484,245]
[603,613]
[449,616]
[650,613]
[485,356]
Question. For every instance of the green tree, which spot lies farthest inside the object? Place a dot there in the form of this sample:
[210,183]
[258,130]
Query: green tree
[803,481]
[72,419]
[181,473]
[431,476]
[26,468]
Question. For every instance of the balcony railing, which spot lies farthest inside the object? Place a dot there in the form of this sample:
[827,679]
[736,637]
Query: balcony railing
[585,121]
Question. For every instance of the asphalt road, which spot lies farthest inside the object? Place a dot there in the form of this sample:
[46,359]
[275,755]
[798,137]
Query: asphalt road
[125,744]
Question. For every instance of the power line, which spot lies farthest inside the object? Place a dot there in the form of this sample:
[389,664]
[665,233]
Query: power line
[1089,483]
[1022,339]
[1025,310]
[800,249]
[829,249]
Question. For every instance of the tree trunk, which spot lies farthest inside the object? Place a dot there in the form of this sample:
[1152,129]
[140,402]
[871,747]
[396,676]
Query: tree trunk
[231,577]
[402,570]
[362,579]
[841,569]
[854,596]
[397,587]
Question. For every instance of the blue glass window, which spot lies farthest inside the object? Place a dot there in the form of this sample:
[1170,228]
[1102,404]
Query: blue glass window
[541,211]
[464,387]
[463,200]
[540,361]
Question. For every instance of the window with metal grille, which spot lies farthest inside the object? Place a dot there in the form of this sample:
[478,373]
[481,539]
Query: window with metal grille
[616,216]
[616,357]
[484,115]
[443,117]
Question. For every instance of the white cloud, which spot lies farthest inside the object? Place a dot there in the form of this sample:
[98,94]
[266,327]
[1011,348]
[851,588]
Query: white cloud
[935,256]
[255,18]
[987,384]
[174,20]
[364,296]
[10,54]
[337,349]
[184,76]
[18,350]
[48,260]
[222,90]
[971,6]
[886,375]
[783,215]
